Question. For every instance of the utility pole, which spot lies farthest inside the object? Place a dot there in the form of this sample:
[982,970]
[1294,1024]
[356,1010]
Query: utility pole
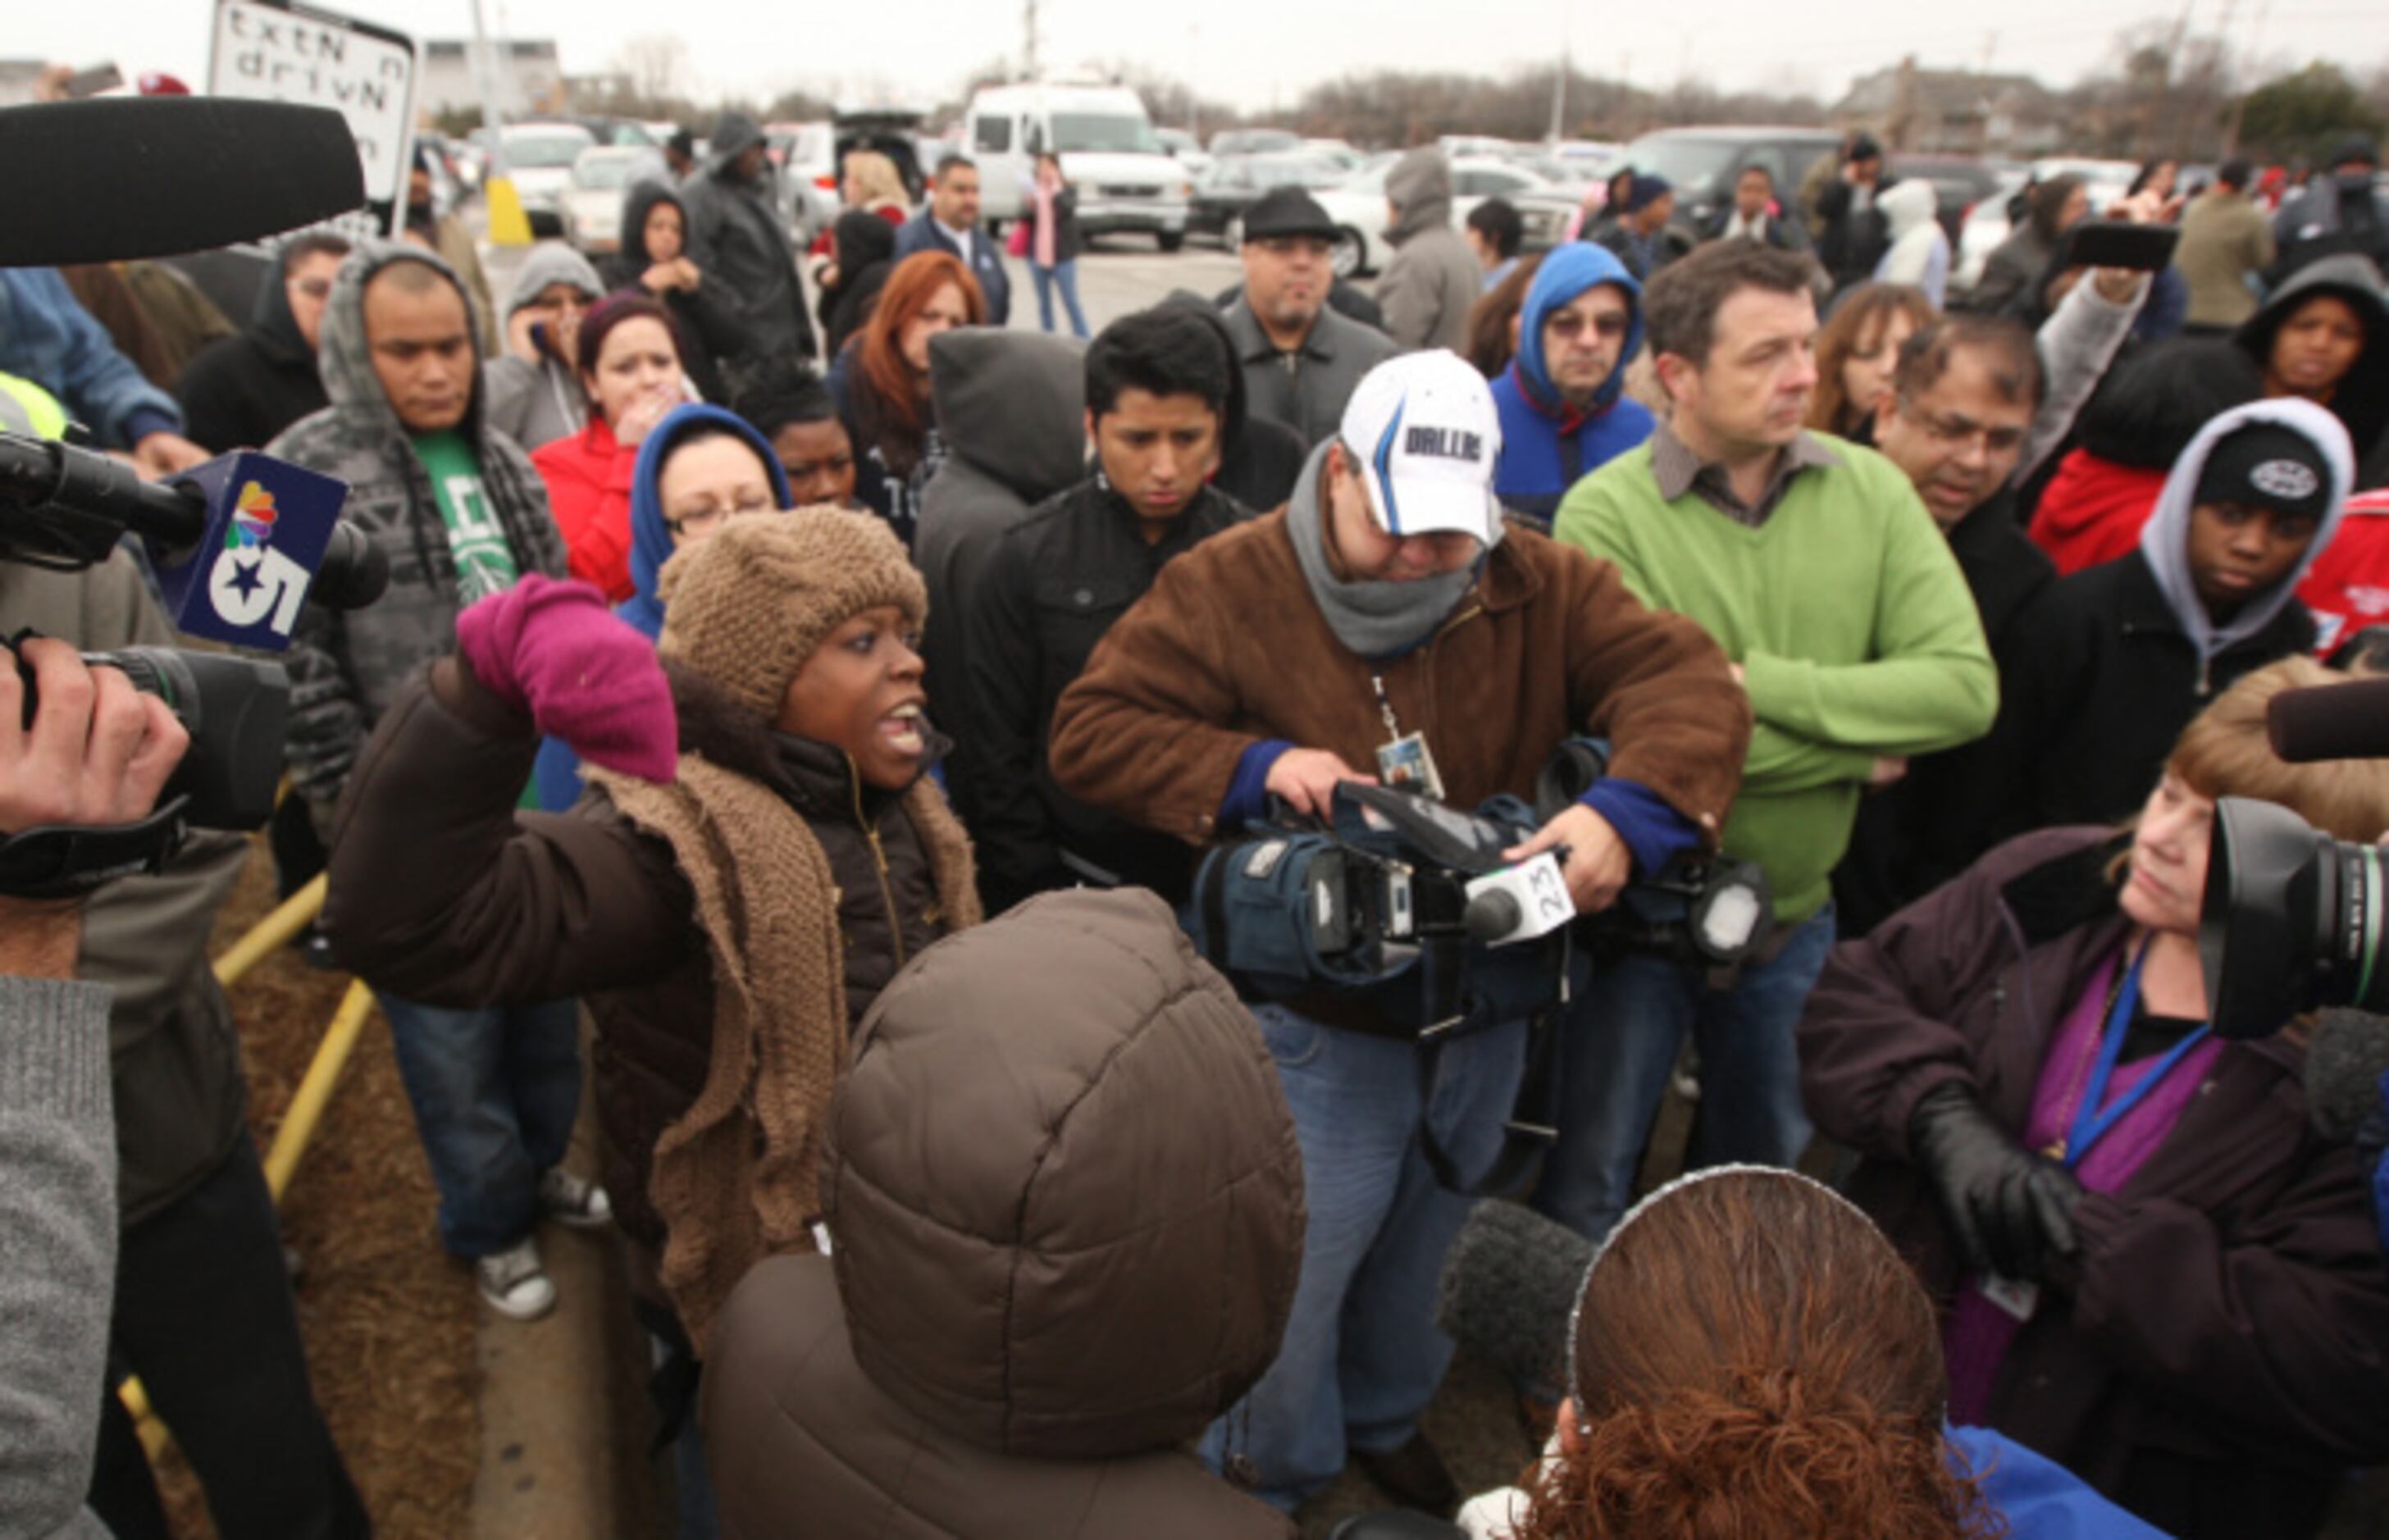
[508,224]
[1028,39]
[1560,82]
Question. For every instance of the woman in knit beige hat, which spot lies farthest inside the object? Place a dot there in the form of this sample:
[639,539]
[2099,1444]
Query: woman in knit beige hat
[758,853]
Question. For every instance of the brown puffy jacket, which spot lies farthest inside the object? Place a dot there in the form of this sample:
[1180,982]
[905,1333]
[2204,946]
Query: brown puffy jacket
[442,892]
[1229,649]
[1067,1202]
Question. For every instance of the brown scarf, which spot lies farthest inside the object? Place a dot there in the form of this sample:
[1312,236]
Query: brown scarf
[734,1179]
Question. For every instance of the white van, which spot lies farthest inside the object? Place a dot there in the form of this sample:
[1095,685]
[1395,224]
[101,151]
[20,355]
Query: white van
[1126,177]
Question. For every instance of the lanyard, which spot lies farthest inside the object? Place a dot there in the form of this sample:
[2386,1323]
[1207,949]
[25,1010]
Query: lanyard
[1386,708]
[2090,1122]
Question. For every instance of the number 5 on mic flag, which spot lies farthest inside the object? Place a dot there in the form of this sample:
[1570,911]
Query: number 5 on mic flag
[268,523]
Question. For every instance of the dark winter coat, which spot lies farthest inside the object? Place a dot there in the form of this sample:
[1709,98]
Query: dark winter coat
[1067,1202]
[1309,396]
[921,233]
[1851,240]
[442,892]
[1905,844]
[737,239]
[713,338]
[2218,1354]
[866,251]
[242,390]
[1053,586]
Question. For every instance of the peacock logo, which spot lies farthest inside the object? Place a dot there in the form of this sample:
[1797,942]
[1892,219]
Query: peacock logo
[252,519]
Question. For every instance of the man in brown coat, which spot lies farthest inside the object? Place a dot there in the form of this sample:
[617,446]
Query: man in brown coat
[1389,610]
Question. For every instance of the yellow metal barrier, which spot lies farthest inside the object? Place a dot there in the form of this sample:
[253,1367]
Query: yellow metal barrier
[295,914]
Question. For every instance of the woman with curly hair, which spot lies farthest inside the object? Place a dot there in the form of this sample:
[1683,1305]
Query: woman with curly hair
[1856,352]
[881,382]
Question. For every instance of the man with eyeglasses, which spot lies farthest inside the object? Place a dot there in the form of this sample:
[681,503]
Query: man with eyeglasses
[242,390]
[1301,358]
[1815,566]
[1964,398]
[1563,412]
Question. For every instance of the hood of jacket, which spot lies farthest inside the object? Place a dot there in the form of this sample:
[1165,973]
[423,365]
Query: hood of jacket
[1014,405]
[345,361]
[2166,540]
[555,263]
[1064,1186]
[1232,414]
[734,134]
[651,542]
[1565,273]
[271,322]
[1419,189]
[1908,206]
[2362,400]
[861,238]
[637,207]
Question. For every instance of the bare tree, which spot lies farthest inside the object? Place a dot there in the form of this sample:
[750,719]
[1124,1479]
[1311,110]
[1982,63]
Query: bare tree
[656,64]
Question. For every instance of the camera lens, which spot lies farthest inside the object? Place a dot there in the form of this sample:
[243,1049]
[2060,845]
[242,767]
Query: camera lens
[2292,921]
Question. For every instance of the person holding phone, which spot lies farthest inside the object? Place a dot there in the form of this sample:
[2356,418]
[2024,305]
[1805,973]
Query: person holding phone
[533,388]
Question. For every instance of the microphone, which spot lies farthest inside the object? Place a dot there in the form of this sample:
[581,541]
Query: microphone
[2331,722]
[120,177]
[2344,1064]
[1510,1288]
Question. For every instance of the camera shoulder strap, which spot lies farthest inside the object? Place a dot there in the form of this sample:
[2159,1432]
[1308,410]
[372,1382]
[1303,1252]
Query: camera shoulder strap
[69,860]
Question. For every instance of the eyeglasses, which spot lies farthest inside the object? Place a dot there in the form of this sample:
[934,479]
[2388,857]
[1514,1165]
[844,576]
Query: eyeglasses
[701,520]
[1956,432]
[1571,326]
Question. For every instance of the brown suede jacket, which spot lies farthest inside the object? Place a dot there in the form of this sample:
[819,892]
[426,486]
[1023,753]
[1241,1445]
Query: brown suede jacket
[1230,649]
[442,892]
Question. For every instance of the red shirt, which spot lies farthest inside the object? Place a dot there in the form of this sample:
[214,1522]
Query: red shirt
[588,477]
[2348,587]
[2092,510]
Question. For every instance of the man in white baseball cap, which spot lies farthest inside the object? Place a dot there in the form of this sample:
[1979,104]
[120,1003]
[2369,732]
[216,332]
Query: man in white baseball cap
[1388,618]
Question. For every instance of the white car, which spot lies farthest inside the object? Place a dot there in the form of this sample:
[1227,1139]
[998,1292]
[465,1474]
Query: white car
[539,158]
[1186,151]
[1357,207]
[602,179]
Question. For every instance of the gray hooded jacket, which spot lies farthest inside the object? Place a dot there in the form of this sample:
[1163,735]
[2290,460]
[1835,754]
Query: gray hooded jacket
[346,668]
[1434,279]
[538,403]
[739,240]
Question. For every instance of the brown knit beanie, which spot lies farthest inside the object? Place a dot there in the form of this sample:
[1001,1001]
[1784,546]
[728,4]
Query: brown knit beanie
[746,608]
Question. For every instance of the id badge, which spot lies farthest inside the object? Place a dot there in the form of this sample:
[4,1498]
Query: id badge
[2016,1296]
[1406,764]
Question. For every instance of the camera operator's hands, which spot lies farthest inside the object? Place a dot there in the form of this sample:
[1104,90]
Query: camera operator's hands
[2013,1210]
[550,648]
[1598,862]
[1305,779]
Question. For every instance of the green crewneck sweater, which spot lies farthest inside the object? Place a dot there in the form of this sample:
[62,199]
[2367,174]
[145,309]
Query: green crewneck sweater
[1855,631]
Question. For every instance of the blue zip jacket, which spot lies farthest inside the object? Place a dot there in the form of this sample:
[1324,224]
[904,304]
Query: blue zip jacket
[1547,446]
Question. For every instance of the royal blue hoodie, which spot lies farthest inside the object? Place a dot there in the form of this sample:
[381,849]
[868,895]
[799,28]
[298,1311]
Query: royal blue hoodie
[557,775]
[1546,445]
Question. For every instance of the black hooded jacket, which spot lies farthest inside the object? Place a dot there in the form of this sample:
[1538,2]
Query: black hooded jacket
[241,390]
[2361,402]
[712,338]
[1260,458]
[866,254]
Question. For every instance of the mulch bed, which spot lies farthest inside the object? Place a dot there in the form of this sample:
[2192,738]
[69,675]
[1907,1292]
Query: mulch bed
[388,1318]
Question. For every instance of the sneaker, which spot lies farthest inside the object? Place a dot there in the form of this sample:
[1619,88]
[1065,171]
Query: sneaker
[515,1281]
[574,1201]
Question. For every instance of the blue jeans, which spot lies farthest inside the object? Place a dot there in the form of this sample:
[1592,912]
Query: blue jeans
[1064,276]
[494,1093]
[1362,1354]
[1619,1045]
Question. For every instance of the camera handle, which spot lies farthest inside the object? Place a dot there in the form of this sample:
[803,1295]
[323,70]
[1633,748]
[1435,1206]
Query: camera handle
[59,861]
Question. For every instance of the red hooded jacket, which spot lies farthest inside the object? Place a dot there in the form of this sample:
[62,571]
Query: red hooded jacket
[2093,510]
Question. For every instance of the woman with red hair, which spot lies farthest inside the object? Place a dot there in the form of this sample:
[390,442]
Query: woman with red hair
[881,382]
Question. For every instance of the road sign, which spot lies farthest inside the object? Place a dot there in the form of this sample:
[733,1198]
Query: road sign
[282,51]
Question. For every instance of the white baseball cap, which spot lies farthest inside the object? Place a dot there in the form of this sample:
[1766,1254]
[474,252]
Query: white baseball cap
[1424,433]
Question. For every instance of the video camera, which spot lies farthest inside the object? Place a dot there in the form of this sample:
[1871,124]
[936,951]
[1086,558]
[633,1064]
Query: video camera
[1399,888]
[2293,919]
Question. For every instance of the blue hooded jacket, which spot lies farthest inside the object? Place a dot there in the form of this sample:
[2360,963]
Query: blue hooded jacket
[1546,446]
[556,774]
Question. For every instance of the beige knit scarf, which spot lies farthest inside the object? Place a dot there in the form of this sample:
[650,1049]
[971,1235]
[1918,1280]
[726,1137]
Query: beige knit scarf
[734,1179]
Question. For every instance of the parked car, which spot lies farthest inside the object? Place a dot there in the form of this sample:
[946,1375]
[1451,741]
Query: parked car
[1958,183]
[1357,207]
[602,177]
[1337,152]
[1703,163]
[894,132]
[1254,141]
[1216,209]
[539,158]
[1186,151]
[1126,181]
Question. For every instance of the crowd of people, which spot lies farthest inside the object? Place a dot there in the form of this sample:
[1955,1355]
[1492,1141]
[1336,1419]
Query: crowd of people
[834,700]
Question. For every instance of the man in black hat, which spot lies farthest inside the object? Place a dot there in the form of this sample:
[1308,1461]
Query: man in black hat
[1852,234]
[2101,672]
[2339,210]
[1301,359]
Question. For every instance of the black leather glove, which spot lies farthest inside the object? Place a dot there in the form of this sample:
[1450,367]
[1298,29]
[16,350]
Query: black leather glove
[2009,1208]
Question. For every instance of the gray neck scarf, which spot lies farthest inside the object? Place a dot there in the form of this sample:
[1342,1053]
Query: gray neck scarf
[1375,619]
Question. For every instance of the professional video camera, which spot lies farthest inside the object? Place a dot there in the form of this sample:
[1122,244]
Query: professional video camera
[1399,888]
[2293,919]
[237,545]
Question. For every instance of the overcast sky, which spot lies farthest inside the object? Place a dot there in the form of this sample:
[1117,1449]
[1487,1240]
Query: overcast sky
[1255,53]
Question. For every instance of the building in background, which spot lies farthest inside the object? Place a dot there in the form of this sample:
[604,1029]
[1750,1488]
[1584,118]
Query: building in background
[1953,112]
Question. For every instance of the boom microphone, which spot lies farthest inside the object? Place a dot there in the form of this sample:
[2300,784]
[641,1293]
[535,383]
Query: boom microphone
[2331,722]
[120,177]
[2344,1064]
[1510,1288]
